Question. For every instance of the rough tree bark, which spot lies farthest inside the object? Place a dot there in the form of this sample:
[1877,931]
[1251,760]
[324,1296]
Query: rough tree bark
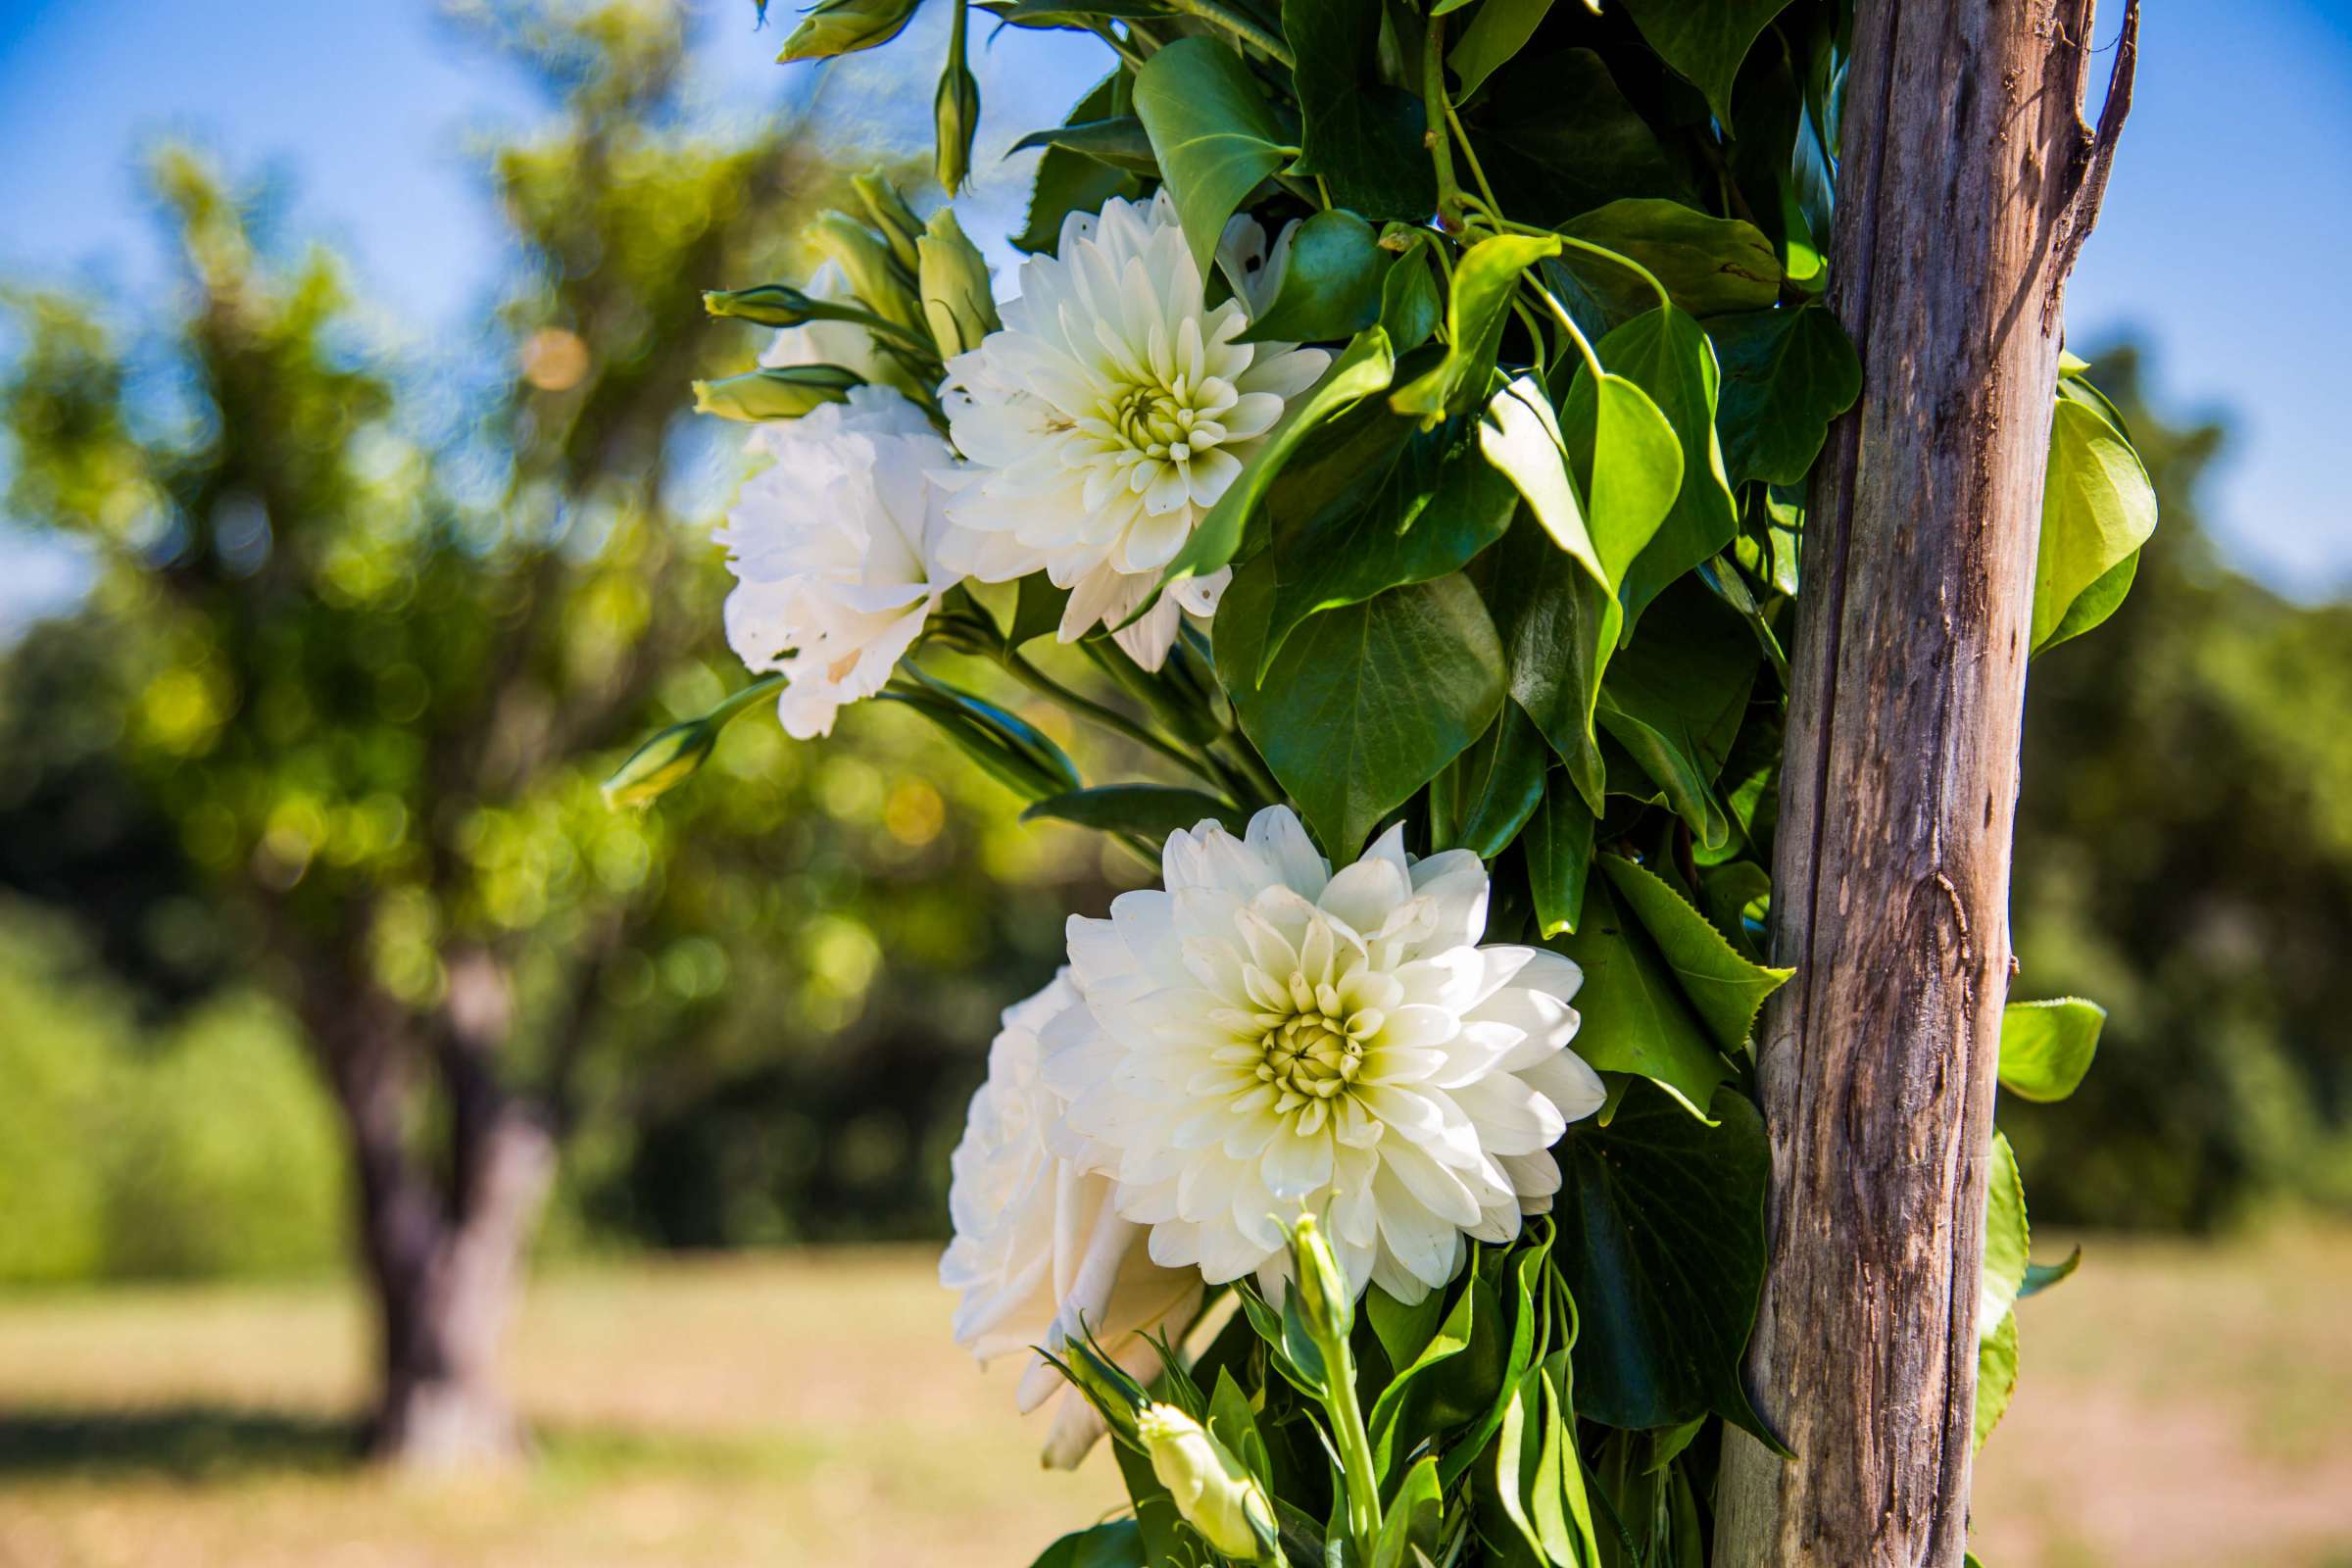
[1967,183]
[443,1251]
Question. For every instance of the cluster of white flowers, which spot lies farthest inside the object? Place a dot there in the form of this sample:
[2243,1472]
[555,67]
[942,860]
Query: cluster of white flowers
[1254,1039]
[1091,434]
[1257,1038]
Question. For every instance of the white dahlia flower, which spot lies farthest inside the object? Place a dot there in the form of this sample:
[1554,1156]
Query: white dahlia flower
[835,549]
[1111,412]
[1263,1036]
[1038,1245]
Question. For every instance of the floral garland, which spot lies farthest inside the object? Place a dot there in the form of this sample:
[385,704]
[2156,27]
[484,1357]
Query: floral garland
[1449,551]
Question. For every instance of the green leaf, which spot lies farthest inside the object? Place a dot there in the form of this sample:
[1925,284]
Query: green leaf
[1708,265]
[2047,1047]
[1704,43]
[1637,1017]
[1498,31]
[1559,631]
[1410,308]
[1212,133]
[1403,1331]
[2098,602]
[1409,1531]
[1723,987]
[1154,811]
[1629,460]
[2041,1277]
[1116,1545]
[1539,1478]
[1156,1520]
[1662,1243]
[2007,1240]
[1521,436]
[1365,704]
[1675,705]
[1071,182]
[1786,375]
[1365,367]
[1488,794]
[1330,285]
[1406,1398]
[1037,610]
[1559,856]
[1119,142]
[2097,509]
[1234,1424]
[1479,305]
[1664,353]
[1362,136]
[1418,511]
[1557,137]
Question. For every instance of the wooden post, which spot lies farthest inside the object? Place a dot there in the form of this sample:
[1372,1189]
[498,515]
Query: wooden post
[1967,181]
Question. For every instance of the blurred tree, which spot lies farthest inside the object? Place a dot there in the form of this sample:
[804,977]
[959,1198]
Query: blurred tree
[2185,857]
[359,650]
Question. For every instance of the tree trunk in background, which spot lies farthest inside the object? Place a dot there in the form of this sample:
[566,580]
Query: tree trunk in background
[1967,181]
[443,1256]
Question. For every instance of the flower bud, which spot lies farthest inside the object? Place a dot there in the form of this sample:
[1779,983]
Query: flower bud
[780,304]
[842,27]
[1325,1301]
[955,119]
[668,759]
[874,274]
[777,392]
[1212,1489]
[957,300]
[888,212]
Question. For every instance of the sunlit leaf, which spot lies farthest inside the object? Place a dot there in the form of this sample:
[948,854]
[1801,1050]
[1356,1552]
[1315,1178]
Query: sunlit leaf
[2047,1047]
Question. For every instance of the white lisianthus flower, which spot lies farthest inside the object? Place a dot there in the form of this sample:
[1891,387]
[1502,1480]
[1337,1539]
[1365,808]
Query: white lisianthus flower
[1110,412]
[835,550]
[1263,1036]
[1039,1248]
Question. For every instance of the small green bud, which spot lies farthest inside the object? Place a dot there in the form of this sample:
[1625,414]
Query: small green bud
[1325,1301]
[875,276]
[1213,1490]
[955,119]
[668,759]
[780,304]
[844,26]
[958,300]
[888,210]
[784,392]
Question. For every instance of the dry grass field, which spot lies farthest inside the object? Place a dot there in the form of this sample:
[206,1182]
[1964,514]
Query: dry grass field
[2180,1405]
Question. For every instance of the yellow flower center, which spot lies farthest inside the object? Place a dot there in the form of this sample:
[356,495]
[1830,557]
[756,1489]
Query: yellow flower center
[1315,1050]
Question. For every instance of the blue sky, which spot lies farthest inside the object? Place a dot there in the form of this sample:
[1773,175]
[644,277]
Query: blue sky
[2222,244]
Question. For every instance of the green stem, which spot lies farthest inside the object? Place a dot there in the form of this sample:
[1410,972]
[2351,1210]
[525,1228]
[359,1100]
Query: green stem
[1354,1443]
[1559,314]
[1435,111]
[1602,251]
[1241,27]
[1110,719]
[1453,120]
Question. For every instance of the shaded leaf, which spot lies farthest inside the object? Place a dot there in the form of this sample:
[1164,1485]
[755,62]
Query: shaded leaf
[1118,1544]
[1154,811]
[1708,265]
[1786,375]
[1705,43]
[1213,133]
[1559,856]
[1120,142]
[1498,31]
[1330,285]
[1362,136]
[1662,1243]
[1488,794]
[1559,629]
[1557,137]
[1637,1019]
[1476,310]
[1364,703]
[1419,510]
[1723,987]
